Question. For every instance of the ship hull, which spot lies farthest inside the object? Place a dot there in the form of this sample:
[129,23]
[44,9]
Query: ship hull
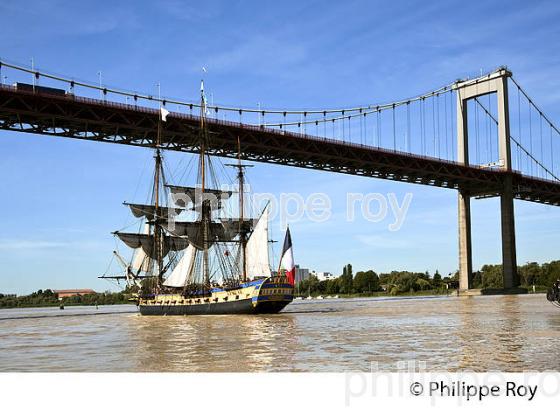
[238,307]
[264,296]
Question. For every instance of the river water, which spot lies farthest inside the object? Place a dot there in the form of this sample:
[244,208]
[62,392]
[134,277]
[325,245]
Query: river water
[487,333]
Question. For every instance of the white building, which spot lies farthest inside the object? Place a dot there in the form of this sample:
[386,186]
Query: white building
[324,275]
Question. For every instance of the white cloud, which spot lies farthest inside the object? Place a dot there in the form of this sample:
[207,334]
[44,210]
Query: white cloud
[23,245]
[15,245]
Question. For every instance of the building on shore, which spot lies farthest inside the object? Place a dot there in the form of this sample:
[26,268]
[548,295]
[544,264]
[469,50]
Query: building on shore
[301,274]
[66,293]
[324,275]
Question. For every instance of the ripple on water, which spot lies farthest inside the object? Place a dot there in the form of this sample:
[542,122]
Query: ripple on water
[507,333]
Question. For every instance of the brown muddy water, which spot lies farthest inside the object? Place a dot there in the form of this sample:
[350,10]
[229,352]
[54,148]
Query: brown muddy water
[486,333]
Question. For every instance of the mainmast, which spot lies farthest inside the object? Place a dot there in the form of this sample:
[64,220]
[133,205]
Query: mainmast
[157,231]
[205,205]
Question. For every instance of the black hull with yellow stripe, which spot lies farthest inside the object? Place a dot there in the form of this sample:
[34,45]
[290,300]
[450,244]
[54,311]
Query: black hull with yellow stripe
[262,296]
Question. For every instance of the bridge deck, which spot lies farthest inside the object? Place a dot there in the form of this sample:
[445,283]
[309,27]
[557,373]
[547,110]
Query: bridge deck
[96,120]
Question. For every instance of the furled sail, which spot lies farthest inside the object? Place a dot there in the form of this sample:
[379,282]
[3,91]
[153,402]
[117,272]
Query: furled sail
[149,211]
[181,273]
[146,243]
[194,233]
[183,196]
[235,226]
[257,248]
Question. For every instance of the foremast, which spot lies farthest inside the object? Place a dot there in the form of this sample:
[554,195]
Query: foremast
[152,245]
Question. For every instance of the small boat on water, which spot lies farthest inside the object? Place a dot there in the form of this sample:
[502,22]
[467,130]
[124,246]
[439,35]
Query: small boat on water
[208,262]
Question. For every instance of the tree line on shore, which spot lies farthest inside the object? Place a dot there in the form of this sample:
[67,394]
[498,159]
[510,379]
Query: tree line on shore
[541,276]
[48,298]
[399,282]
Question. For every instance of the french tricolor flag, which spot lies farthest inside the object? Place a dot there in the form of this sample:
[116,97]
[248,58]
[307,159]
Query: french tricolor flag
[287,261]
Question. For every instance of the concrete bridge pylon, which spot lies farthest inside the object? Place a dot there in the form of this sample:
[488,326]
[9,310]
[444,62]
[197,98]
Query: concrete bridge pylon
[495,83]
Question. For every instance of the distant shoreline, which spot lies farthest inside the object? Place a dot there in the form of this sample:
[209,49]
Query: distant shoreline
[420,293]
[373,295]
[51,305]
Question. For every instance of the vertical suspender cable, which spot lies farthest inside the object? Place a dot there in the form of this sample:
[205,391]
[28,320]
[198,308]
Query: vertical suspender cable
[361,135]
[437,128]
[489,128]
[552,151]
[477,148]
[349,129]
[434,124]
[408,139]
[379,143]
[446,129]
[542,150]
[365,129]
[394,130]
[453,126]
[423,126]
[530,135]
[519,164]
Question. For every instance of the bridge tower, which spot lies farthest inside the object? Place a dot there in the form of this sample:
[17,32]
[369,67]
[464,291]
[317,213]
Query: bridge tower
[495,83]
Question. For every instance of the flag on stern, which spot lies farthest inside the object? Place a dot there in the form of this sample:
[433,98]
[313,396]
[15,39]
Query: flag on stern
[287,261]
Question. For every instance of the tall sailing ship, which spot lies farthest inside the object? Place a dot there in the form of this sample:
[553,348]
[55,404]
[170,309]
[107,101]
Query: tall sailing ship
[207,264]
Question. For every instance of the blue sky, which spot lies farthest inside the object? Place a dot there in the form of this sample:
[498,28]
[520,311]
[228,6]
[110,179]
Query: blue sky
[62,198]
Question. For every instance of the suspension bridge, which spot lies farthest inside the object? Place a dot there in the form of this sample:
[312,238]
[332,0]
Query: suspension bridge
[484,137]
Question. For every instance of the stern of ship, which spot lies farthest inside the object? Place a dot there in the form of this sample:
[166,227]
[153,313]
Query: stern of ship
[273,295]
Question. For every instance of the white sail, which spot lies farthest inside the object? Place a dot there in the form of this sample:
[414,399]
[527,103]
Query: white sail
[182,271]
[257,249]
[141,262]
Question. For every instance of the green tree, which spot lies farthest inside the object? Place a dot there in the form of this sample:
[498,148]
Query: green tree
[436,280]
[366,281]
[309,285]
[492,276]
[346,280]
[530,274]
[477,279]
[333,287]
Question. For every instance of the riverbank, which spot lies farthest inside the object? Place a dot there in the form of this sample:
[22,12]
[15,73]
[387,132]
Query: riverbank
[428,292]
[53,305]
